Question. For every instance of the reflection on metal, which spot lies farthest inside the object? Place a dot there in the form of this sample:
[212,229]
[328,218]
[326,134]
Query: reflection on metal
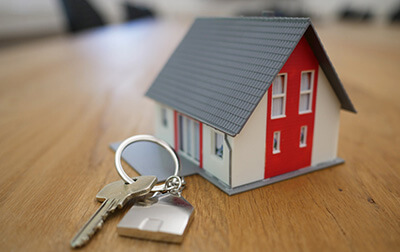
[164,217]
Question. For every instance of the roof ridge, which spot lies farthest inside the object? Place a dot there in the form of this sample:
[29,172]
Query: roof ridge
[306,19]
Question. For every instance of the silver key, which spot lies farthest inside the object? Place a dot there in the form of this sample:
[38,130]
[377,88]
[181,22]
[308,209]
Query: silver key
[112,195]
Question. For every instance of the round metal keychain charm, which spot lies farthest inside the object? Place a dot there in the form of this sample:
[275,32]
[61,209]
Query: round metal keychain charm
[166,215]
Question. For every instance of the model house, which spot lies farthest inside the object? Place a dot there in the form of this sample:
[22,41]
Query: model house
[250,101]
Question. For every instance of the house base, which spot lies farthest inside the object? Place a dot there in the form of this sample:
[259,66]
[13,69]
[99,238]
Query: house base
[150,159]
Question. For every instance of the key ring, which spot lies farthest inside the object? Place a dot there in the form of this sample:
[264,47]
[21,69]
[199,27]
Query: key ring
[148,138]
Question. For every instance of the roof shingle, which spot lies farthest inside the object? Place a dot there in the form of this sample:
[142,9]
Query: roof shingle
[223,67]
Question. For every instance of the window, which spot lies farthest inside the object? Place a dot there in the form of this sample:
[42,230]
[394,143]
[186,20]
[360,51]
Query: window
[303,136]
[306,92]
[189,137]
[181,130]
[276,145]
[164,119]
[219,144]
[278,96]
[196,141]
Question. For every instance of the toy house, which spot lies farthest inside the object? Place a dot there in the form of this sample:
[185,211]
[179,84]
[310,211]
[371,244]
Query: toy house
[250,101]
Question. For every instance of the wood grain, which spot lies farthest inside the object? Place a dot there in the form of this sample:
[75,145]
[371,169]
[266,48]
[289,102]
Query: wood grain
[63,100]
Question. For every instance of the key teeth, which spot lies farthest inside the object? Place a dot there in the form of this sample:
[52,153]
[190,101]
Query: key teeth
[109,205]
[82,241]
[85,239]
[99,225]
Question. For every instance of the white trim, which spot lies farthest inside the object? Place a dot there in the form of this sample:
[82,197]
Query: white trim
[309,91]
[304,143]
[279,96]
[277,117]
[278,149]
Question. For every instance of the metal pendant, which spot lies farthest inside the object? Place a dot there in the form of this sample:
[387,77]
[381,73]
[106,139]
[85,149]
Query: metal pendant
[163,217]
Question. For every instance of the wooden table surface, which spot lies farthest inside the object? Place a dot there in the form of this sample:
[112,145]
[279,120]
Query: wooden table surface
[63,100]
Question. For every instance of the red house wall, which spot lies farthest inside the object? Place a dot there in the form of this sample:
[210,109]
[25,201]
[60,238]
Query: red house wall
[292,156]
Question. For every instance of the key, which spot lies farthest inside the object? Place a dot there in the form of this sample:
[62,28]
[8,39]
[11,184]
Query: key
[163,217]
[113,195]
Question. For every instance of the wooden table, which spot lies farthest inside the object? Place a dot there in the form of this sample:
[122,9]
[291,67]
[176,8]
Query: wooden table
[63,100]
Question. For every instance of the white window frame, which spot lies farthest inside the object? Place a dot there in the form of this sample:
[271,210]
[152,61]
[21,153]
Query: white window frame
[216,135]
[309,91]
[188,131]
[273,96]
[278,149]
[304,143]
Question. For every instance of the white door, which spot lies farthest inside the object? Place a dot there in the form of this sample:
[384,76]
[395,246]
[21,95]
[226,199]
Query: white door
[189,138]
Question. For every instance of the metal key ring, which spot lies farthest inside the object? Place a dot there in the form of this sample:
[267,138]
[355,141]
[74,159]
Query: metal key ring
[144,138]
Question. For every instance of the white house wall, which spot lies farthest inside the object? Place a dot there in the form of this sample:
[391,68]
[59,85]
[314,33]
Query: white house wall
[248,147]
[218,167]
[326,127]
[164,132]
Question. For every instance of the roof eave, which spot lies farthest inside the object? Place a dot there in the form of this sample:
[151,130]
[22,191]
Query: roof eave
[327,66]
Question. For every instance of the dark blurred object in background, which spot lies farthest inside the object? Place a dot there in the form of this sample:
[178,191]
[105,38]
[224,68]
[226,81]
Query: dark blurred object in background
[395,16]
[81,15]
[274,12]
[133,12]
[349,14]
[23,21]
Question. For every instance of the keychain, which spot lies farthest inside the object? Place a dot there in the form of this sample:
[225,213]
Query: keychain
[159,213]
[165,215]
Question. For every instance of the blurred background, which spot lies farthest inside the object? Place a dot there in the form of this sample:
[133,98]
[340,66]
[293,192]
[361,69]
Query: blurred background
[22,21]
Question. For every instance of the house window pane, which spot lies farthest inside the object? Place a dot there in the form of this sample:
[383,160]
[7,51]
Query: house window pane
[305,102]
[189,136]
[276,144]
[180,124]
[277,106]
[303,136]
[164,119]
[306,81]
[218,139]
[196,141]
[278,96]
[278,85]
[305,92]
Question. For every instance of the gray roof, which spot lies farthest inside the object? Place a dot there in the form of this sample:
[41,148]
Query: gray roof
[223,67]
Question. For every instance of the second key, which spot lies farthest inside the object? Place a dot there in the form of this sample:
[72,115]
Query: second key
[113,195]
